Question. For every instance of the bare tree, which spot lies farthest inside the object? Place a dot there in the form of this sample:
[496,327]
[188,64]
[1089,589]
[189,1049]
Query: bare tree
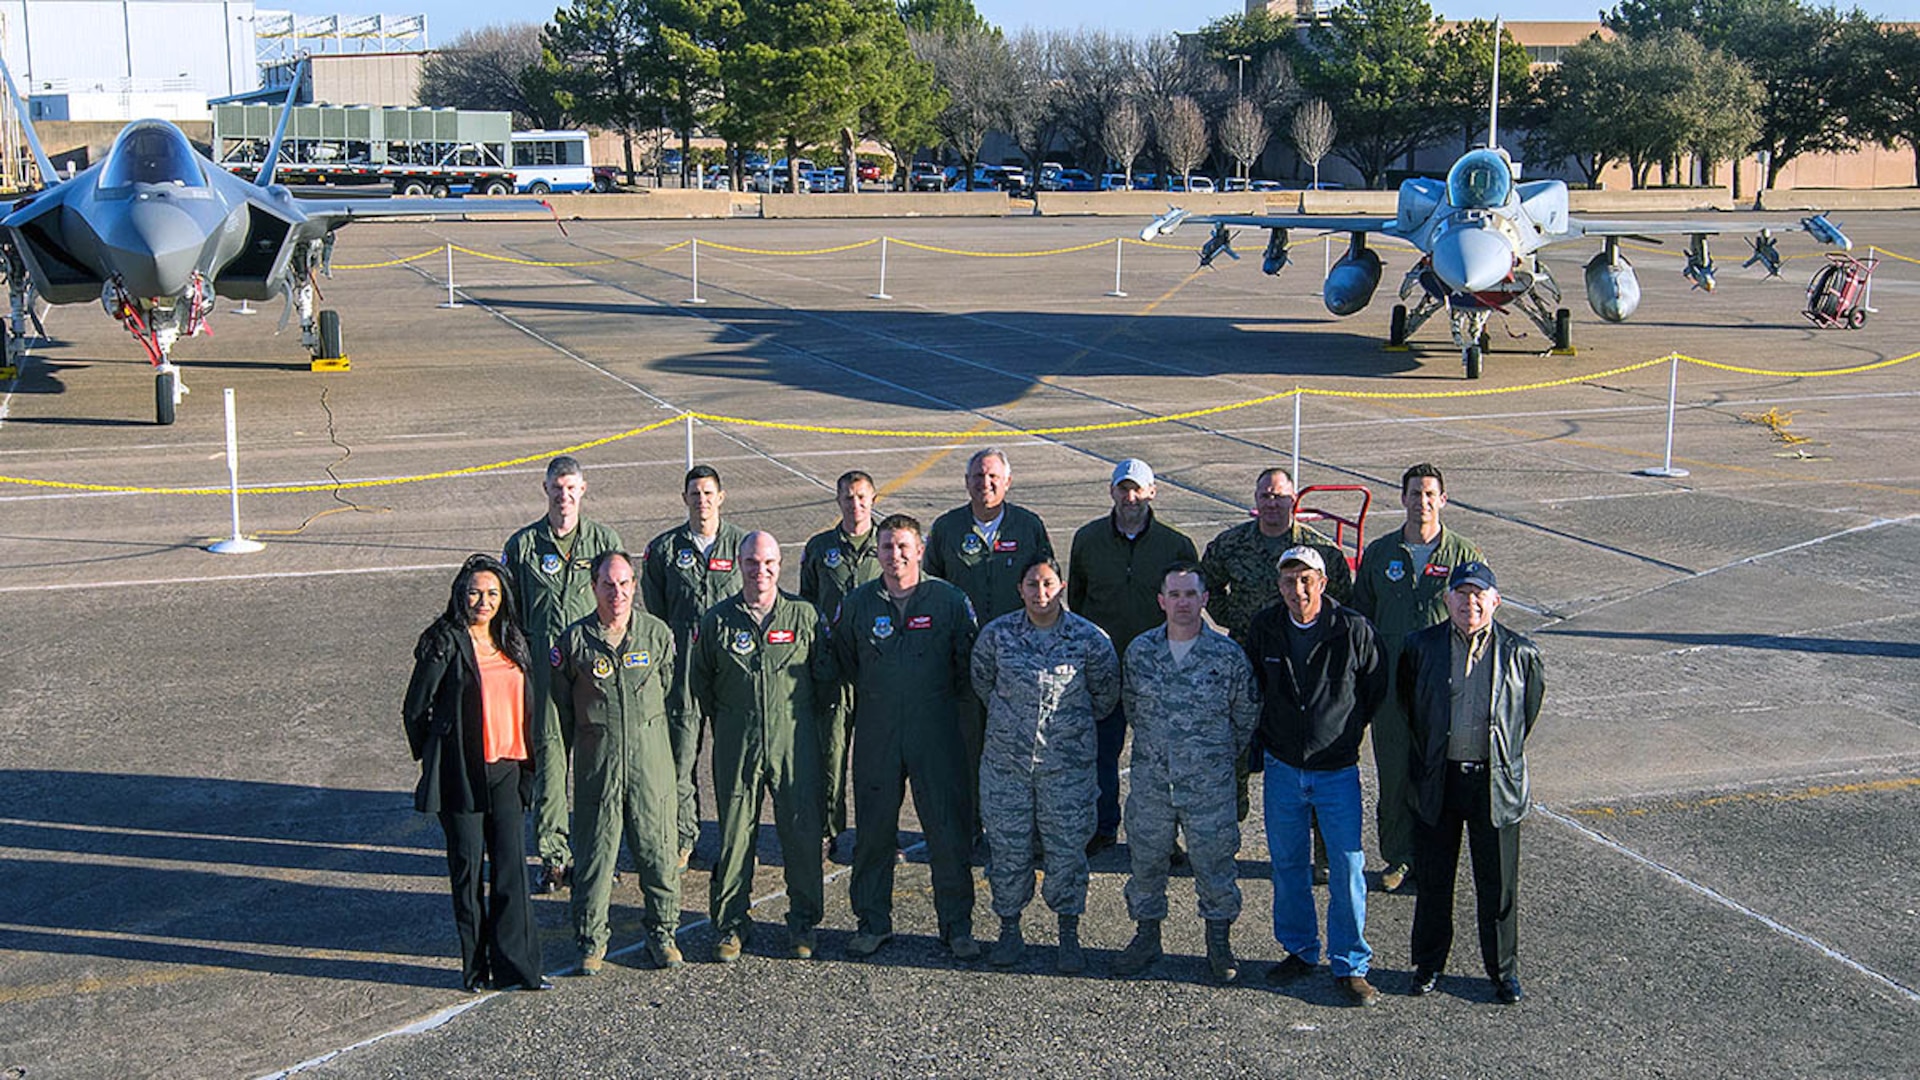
[492,68]
[1180,131]
[1030,110]
[1096,73]
[1244,134]
[1313,131]
[1123,135]
[974,69]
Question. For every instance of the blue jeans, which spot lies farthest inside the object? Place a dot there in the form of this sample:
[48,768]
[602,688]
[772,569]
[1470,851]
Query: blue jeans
[1110,734]
[1333,795]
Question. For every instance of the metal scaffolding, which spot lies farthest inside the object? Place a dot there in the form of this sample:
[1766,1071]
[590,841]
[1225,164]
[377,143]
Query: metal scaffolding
[282,36]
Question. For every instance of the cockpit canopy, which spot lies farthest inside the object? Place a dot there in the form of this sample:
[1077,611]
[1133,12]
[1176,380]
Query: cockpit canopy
[1480,180]
[152,152]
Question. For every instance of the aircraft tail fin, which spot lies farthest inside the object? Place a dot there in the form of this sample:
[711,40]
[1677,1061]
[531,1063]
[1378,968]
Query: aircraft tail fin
[280,130]
[1493,106]
[48,177]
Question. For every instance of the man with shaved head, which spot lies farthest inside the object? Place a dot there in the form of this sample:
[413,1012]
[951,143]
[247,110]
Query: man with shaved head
[761,669]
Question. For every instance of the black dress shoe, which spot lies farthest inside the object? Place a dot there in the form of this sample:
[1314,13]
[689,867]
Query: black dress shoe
[1424,982]
[544,984]
[1507,991]
[1292,969]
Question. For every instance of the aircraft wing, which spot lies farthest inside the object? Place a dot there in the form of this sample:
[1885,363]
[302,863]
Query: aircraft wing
[333,213]
[1176,217]
[1817,226]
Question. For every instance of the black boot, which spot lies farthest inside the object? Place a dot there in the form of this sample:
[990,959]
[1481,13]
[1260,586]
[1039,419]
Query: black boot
[1011,947]
[1220,950]
[1072,959]
[1140,953]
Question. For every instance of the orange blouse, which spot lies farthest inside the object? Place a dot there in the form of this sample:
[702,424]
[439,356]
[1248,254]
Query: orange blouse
[503,709]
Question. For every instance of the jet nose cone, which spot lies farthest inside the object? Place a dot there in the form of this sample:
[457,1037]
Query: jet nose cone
[154,247]
[1472,259]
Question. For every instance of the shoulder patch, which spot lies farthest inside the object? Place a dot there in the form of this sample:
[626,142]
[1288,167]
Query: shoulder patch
[553,657]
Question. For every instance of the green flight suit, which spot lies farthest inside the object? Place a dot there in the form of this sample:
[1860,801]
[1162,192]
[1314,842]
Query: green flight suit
[1399,598]
[833,565]
[764,685]
[552,586]
[613,697]
[678,584]
[986,568]
[907,663]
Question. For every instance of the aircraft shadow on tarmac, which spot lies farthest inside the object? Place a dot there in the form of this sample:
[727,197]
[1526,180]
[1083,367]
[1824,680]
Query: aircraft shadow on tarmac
[241,865]
[996,351]
[1894,650]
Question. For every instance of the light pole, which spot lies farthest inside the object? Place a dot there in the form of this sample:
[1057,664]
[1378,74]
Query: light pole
[1240,88]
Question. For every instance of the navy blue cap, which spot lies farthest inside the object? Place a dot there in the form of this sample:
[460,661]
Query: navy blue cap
[1471,573]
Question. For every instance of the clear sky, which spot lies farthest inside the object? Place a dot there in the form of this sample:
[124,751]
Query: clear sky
[445,18]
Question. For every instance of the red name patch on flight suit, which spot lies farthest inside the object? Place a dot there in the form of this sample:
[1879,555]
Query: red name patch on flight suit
[1434,569]
[920,622]
[779,637]
[1006,545]
[720,565]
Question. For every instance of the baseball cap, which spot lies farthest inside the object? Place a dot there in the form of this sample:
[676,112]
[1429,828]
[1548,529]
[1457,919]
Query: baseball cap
[1471,573]
[1305,556]
[1135,470]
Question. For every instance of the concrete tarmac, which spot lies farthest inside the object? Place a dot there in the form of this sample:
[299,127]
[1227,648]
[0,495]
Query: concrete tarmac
[213,867]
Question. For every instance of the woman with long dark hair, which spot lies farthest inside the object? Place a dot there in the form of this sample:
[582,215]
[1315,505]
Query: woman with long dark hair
[467,712]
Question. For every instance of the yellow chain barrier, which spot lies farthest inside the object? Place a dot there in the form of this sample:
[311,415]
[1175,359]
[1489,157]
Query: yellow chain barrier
[561,265]
[390,262]
[342,485]
[998,254]
[1891,255]
[813,251]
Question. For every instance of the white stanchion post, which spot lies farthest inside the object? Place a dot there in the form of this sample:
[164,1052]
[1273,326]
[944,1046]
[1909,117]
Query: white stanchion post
[1866,301]
[236,544]
[1119,242]
[1673,392]
[882,294]
[695,298]
[689,442]
[1297,395]
[451,302]
[244,309]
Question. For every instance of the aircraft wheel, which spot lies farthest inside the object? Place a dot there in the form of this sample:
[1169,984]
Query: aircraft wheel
[164,384]
[330,335]
[1473,361]
[1856,318]
[1563,329]
[1397,327]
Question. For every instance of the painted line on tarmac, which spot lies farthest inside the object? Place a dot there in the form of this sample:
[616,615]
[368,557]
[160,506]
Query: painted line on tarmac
[220,838]
[1912,997]
[1817,791]
[428,1023]
[214,578]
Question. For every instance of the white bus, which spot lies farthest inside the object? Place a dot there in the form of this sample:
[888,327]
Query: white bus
[546,161]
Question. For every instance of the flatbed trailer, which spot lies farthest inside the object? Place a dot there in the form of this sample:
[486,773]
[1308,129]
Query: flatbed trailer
[436,152]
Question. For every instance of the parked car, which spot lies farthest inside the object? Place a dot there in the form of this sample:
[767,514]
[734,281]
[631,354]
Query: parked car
[1013,177]
[926,176]
[605,177]
[1057,179]
[823,180]
[1197,184]
[1113,181]
[1267,185]
[869,172]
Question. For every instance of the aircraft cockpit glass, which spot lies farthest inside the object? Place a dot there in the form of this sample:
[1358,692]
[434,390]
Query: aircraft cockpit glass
[152,153]
[1480,180]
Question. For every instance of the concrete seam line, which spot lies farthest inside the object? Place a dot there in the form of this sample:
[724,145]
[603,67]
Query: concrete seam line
[1708,891]
[214,578]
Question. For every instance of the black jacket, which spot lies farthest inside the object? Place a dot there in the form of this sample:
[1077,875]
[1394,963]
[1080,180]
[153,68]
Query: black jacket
[443,718]
[1426,695]
[1343,684]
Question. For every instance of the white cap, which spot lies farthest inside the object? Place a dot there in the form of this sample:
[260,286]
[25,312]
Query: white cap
[1135,470]
[1305,556]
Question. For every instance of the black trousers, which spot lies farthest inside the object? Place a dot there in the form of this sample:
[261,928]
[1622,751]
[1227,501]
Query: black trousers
[1496,876]
[498,940]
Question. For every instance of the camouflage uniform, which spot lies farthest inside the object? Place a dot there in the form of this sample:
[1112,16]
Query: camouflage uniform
[1243,575]
[1044,688]
[1191,722]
